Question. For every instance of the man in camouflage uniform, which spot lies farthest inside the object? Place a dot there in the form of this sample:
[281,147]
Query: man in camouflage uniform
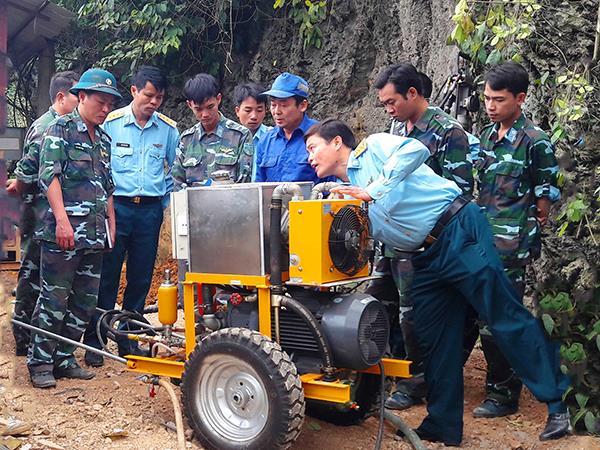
[401,90]
[28,281]
[76,179]
[216,147]
[517,179]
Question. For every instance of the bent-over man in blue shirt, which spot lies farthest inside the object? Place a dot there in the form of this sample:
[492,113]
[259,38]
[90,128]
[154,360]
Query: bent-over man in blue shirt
[281,154]
[143,148]
[412,209]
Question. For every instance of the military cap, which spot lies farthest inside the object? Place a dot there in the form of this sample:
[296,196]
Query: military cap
[98,80]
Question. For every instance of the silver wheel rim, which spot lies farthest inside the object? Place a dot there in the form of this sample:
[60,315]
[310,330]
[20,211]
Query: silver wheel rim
[232,399]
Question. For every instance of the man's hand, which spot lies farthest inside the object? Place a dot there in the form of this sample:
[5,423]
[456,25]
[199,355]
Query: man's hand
[542,210]
[15,187]
[353,191]
[65,238]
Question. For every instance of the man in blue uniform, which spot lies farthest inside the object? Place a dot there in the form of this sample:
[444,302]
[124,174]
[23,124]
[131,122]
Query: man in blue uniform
[281,155]
[143,148]
[455,264]
[251,109]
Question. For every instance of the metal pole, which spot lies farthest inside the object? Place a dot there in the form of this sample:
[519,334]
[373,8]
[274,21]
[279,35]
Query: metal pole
[69,341]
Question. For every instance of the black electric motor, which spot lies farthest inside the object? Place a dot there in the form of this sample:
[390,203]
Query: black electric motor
[356,326]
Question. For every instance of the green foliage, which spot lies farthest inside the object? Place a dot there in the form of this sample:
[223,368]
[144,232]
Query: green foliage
[308,15]
[577,325]
[491,32]
[574,212]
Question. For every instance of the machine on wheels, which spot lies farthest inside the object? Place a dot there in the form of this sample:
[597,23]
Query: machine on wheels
[269,332]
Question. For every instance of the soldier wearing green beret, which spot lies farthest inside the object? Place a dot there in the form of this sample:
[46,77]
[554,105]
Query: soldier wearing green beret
[76,179]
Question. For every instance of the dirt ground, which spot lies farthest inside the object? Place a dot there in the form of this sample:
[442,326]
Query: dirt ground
[114,411]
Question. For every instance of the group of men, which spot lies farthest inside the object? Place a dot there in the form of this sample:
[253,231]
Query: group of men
[95,184]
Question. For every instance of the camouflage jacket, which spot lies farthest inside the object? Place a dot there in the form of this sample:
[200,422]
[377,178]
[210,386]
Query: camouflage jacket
[199,154]
[448,144]
[83,170]
[511,174]
[28,166]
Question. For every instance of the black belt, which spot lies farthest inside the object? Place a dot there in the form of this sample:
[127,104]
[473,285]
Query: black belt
[453,209]
[139,200]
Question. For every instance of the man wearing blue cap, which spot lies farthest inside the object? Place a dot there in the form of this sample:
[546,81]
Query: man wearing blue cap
[78,224]
[281,154]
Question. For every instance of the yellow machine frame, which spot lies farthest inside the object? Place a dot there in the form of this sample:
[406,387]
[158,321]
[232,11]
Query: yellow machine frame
[313,384]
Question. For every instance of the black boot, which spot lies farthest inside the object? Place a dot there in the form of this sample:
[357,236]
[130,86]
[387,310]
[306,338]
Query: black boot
[42,379]
[491,408]
[93,359]
[557,426]
[74,372]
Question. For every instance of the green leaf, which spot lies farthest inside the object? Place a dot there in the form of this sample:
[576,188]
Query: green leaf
[548,323]
[493,58]
[581,399]
[590,422]
[578,416]
[598,342]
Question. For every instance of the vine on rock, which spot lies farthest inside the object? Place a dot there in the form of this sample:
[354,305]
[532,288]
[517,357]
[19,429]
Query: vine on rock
[308,14]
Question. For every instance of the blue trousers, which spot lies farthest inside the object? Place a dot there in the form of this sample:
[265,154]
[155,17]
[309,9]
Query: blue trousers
[462,268]
[138,230]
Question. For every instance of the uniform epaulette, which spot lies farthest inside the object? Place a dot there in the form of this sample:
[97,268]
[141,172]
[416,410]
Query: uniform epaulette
[534,133]
[360,148]
[62,120]
[190,130]
[115,114]
[233,125]
[167,120]
[445,121]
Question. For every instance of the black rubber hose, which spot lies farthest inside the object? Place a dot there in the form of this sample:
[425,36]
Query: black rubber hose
[305,314]
[275,245]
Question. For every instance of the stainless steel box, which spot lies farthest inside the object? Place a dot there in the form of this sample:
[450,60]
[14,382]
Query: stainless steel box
[227,227]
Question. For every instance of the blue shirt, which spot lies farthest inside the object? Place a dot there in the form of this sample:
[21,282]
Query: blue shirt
[141,159]
[260,133]
[280,159]
[408,197]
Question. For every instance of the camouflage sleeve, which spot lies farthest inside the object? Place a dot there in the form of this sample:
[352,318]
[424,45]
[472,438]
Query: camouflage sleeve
[246,148]
[456,163]
[52,156]
[544,170]
[178,172]
[28,166]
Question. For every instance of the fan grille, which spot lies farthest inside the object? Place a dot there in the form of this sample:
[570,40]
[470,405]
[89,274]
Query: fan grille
[349,239]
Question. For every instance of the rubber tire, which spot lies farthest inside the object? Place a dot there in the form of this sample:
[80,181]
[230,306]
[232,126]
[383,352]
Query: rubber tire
[276,371]
[366,395]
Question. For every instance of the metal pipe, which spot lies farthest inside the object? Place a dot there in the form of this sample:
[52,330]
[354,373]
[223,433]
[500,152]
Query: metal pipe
[69,341]
[287,188]
[317,191]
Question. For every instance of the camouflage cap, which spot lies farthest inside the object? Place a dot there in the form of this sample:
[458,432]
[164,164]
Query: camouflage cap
[98,80]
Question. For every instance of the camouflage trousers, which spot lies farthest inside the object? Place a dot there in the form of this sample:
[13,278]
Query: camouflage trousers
[67,301]
[28,281]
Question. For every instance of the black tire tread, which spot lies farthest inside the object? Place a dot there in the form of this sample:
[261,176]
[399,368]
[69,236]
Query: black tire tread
[277,359]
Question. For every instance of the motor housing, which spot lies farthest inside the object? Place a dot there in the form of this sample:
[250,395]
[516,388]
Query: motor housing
[356,326]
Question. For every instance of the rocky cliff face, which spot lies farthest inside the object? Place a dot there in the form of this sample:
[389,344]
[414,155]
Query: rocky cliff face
[360,38]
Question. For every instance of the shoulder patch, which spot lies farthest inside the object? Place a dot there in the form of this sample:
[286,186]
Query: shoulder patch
[115,115]
[167,120]
[233,125]
[190,130]
[361,148]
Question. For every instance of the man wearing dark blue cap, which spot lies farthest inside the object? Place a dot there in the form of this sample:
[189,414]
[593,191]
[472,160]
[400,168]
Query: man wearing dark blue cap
[281,154]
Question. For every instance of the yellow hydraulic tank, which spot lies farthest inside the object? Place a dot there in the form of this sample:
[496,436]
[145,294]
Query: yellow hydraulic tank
[310,225]
[167,301]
